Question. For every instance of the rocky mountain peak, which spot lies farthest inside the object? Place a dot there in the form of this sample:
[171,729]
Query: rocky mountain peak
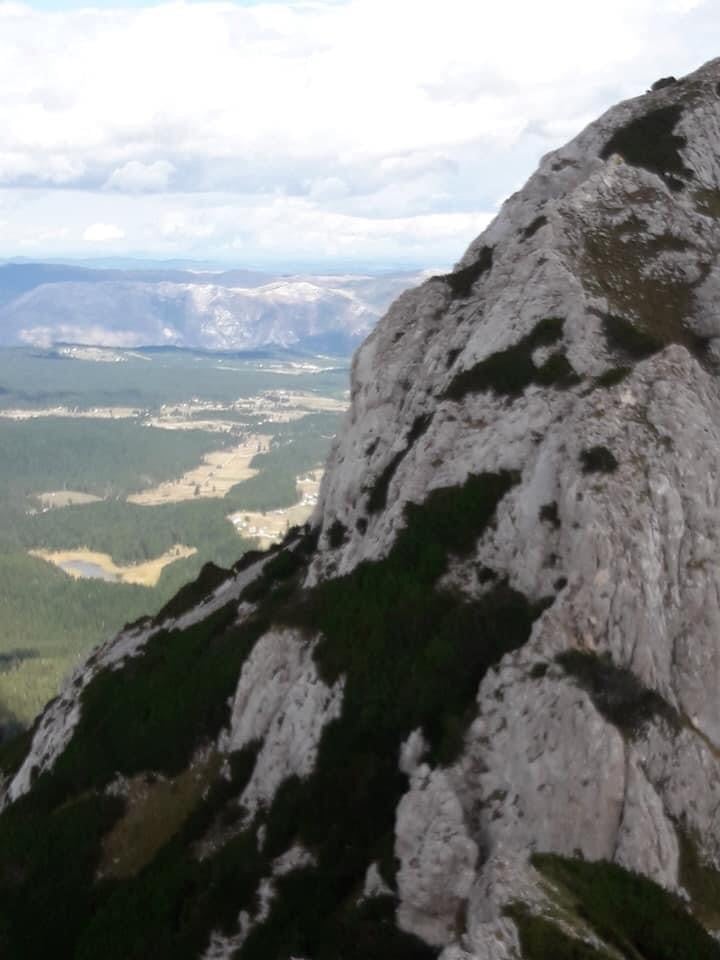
[472,710]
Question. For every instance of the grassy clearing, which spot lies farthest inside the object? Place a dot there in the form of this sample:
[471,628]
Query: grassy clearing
[66,498]
[647,307]
[220,471]
[156,808]
[707,202]
[88,564]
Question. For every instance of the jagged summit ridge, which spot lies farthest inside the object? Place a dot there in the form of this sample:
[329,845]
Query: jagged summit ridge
[449,717]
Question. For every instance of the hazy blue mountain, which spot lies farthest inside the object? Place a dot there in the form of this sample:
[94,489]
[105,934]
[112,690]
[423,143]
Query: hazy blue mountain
[47,303]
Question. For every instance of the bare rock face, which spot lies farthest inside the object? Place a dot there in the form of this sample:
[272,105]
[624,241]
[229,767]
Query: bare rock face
[480,692]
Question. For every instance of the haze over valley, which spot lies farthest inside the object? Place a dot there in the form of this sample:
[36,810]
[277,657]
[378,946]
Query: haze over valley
[126,471]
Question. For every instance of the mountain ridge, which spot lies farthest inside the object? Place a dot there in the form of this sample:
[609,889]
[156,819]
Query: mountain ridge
[43,304]
[471,710]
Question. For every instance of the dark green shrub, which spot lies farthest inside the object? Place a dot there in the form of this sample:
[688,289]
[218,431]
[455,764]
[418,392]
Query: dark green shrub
[282,567]
[156,711]
[649,141]
[533,227]
[613,376]
[13,751]
[452,356]
[305,921]
[641,340]
[193,593]
[616,692]
[169,909]
[377,500]
[630,912]
[462,281]
[538,671]
[541,939]
[510,370]
[700,879]
[598,459]
[337,534]
[557,371]
[47,869]
[549,514]
[623,335]
[662,83]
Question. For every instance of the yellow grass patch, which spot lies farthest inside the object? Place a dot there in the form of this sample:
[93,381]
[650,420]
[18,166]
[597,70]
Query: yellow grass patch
[92,413]
[66,498]
[88,564]
[215,477]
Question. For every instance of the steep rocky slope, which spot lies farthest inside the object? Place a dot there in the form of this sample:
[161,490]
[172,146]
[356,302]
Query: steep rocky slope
[472,710]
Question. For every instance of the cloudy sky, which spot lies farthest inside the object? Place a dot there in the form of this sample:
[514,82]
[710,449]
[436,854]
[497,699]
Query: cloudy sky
[379,131]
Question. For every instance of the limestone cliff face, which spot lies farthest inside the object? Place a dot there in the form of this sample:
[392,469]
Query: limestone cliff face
[499,641]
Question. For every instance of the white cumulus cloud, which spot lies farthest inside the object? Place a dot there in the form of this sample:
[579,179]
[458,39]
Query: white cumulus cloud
[137,177]
[103,233]
[366,113]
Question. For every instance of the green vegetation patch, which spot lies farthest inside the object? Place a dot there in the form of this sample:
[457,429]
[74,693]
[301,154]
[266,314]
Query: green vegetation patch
[639,341]
[648,141]
[168,909]
[401,644]
[462,281]
[377,500]
[66,617]
[108,458]
[188,596]
[399,641]
[624,335]
[305,920]
[557,371]
[533,227]
[707,202]
[158,709]
[542,939]
[700,879]
[616,691]
[598,459]
[155,810]
[629,912]
[549,514]
[337,534]
[14,749]
[47,870]
[648,307]
[508,372]
[612,377]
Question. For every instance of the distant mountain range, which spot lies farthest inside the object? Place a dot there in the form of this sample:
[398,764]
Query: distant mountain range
[48,303]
